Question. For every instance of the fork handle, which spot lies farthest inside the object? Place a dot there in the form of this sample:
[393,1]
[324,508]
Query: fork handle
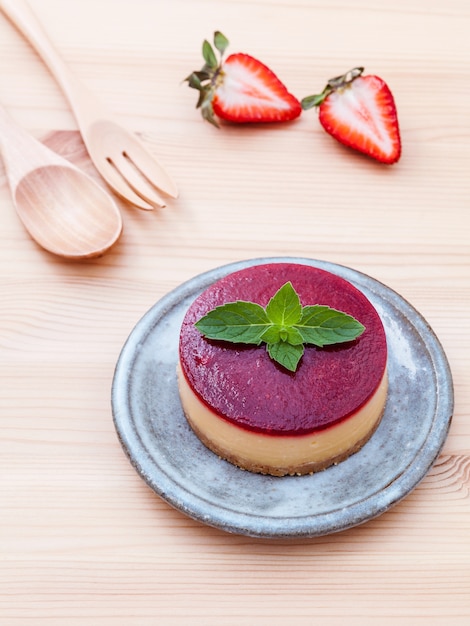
[83,103]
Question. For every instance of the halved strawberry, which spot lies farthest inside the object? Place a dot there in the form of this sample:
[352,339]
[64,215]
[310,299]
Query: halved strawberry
[240,89]
[359,111]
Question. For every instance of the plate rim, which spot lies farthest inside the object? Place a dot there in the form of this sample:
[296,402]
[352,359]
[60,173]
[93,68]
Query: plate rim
[326,522]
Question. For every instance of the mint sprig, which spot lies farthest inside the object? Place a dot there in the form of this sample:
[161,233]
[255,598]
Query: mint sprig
[284,325]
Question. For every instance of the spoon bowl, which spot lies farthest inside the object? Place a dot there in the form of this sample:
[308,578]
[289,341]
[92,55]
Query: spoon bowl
[64,210]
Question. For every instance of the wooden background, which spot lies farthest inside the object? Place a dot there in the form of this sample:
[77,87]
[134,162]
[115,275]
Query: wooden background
[82,539]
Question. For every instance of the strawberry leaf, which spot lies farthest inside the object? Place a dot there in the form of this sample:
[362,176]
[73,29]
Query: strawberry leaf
[220,42]
[208,112]
[209,55]
[309,102]
[194,81]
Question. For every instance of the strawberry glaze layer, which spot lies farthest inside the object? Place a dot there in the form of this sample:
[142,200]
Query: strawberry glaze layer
[243,385]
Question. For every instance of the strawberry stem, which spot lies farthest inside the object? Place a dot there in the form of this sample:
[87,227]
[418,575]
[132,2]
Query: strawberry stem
[338,82]
[345,79]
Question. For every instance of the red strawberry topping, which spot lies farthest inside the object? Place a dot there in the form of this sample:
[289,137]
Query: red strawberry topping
[359,111]
[240,89]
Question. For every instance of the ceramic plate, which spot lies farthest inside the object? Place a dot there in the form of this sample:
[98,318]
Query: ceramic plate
[163,449]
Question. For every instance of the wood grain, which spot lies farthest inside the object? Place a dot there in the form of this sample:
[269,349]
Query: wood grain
[82,539]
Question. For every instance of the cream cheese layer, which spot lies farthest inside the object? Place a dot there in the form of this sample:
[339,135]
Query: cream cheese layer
[282,454]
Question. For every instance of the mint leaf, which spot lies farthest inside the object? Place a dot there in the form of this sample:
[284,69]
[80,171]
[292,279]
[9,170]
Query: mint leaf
[285,325]
[276,333]
[284,308]
[238,322]
[286,354]
[322,326]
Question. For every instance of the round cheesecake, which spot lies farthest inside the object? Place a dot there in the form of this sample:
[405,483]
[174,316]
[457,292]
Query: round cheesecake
[260,416]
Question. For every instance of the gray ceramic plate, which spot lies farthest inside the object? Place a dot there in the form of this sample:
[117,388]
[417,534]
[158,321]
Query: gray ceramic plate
[172,461]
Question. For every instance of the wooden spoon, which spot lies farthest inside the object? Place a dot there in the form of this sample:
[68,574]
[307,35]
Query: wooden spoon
[61,207]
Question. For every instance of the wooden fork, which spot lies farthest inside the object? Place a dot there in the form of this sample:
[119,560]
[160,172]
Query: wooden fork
[119,156]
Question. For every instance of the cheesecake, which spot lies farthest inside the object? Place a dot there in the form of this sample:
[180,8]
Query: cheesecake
[262,417]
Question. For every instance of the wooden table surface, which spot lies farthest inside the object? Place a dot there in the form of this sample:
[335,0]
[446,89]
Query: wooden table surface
[83,539]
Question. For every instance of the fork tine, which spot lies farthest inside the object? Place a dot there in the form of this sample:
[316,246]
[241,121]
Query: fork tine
[115,180]
[136,181]
[144,161]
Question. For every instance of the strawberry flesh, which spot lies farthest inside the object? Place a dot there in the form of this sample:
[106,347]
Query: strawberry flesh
[248,91]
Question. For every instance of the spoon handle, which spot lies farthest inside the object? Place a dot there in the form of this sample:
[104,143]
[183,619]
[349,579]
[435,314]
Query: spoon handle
[22,152]
[84,104]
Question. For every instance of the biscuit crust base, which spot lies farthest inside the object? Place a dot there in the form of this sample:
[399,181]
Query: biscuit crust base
[281,455]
